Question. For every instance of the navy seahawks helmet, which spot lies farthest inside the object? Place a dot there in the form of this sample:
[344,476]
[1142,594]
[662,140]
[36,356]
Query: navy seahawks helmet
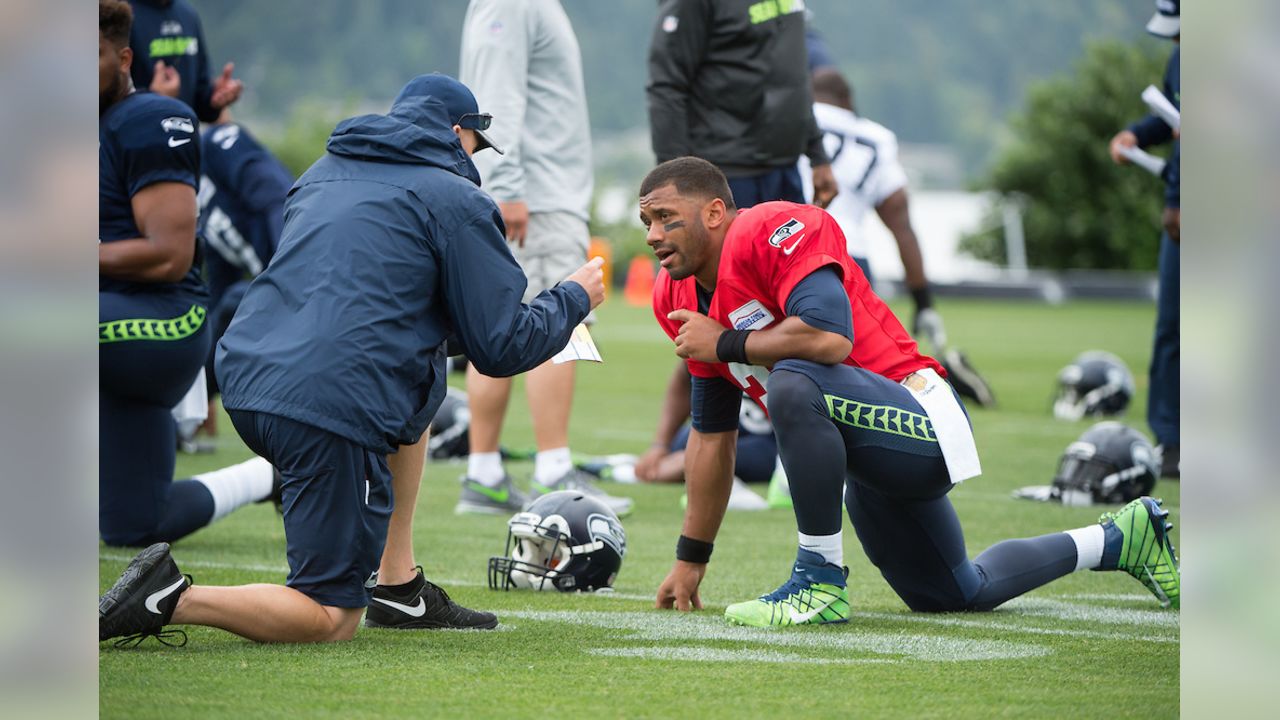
[449,433]
[564,540]
[1096,384]
[1110,464]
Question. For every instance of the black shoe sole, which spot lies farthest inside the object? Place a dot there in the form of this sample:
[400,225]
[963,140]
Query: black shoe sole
[429,625]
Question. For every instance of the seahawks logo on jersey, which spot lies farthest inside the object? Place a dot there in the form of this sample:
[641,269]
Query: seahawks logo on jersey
[784,231]
[177,123]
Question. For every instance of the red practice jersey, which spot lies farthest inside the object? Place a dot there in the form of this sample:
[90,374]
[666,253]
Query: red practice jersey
[768,250]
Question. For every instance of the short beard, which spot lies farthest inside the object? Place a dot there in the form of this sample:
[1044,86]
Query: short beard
[113,94]
[697,242]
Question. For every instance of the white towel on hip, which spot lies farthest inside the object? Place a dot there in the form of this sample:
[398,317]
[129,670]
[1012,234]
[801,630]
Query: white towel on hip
[950,424]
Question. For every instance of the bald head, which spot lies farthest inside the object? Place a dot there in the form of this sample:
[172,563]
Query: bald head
[829,87]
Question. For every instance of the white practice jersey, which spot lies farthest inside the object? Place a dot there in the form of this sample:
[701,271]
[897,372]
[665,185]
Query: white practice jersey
[864,159]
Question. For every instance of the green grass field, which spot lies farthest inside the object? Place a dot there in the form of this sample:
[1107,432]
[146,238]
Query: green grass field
[1089,645]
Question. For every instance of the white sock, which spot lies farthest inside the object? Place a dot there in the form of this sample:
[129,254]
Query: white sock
[485,468]
[241,484]
[1089,543]
[830,547]
[551,465]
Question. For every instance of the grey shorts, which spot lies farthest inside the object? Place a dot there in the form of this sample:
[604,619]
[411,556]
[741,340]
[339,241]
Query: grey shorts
[555,246]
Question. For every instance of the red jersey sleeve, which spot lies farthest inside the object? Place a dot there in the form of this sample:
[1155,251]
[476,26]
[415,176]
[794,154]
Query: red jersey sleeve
[789,242]
[670,295]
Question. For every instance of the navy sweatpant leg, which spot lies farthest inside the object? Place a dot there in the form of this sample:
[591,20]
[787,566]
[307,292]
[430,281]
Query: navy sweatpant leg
[838,424]
[139,381]
[1164,401]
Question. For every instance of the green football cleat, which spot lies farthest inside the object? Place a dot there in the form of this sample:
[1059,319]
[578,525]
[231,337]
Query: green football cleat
[1144,551]
[815,595]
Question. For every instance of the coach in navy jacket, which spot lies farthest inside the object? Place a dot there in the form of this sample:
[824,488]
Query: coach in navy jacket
[389,246]
[334,363]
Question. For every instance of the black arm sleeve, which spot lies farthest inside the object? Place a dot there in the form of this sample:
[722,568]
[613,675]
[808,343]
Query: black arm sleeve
[714,404]
[822,302]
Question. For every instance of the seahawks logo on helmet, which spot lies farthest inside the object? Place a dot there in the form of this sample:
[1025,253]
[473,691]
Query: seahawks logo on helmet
[564,540]
[1111,463]
[1096,384]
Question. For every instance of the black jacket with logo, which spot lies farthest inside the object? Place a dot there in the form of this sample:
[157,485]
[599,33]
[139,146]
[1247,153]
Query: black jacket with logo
[728,82]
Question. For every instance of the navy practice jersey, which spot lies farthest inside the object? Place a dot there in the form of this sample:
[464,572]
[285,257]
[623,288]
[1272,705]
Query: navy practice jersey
[142,140]
[242,194]
[169,30]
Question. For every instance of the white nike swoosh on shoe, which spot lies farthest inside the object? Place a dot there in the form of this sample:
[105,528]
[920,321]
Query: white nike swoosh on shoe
[152,602]
[413,610]
[798,618]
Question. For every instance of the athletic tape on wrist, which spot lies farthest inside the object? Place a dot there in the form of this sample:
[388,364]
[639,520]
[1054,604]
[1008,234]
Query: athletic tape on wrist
[694,551]
[731,346]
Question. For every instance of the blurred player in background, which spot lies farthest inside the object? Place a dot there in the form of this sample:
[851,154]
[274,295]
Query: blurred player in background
[242,193]
[522,60]
[864,158]
[766,301]
[152,307]
[171,58]
[1164,401]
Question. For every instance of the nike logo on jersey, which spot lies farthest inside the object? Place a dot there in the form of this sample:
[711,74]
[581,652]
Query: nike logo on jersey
[789,250]
[175,142]
[412,610]
[152,602]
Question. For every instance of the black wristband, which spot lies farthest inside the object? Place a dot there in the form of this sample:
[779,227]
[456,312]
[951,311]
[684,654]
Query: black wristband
[694,551]
[924,300]
[731,346]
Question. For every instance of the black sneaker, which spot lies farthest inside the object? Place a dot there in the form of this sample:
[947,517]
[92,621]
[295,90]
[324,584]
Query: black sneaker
[422,605]
[141,602]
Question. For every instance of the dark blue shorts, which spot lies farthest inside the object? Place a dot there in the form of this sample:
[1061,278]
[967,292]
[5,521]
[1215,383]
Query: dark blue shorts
[337,503]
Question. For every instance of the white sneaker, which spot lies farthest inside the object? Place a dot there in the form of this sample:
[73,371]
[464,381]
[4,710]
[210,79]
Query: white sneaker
[742,497]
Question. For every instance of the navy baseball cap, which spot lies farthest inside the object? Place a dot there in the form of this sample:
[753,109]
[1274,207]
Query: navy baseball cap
[457,100]
[1165,22]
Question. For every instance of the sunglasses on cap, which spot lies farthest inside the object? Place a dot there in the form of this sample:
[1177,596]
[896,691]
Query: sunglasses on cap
[475,121]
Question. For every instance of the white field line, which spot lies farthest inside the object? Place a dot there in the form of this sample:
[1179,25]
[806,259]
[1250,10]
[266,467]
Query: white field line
[683,628]
[706,654]
[1035,606]
[1107,597]
[1032,607]
[952,621]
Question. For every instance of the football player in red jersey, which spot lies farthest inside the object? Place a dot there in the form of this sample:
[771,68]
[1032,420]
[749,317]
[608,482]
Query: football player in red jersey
[766,301]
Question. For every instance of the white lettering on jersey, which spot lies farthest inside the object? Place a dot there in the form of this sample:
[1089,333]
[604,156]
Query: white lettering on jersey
[752,316]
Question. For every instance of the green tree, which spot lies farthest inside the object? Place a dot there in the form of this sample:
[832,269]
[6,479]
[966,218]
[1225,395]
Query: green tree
[1081,210]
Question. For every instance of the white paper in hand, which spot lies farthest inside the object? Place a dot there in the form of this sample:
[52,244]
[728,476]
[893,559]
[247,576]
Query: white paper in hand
[1161,106]
[1144,160]
[580,347]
